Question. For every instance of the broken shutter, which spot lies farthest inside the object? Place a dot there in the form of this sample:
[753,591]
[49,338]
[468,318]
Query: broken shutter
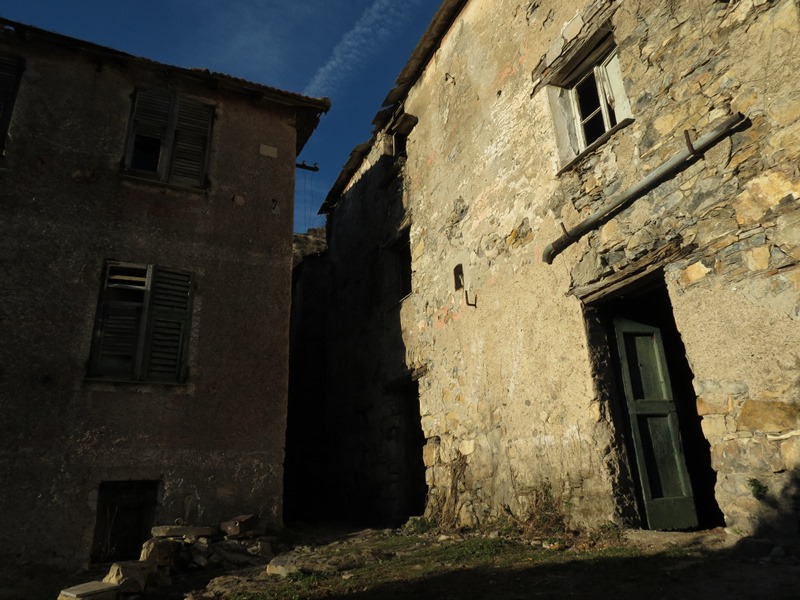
[666,489]
[190,146]
[120,321]
[616,89]
[10,69]
[142,326]
[170,314]
[148,135]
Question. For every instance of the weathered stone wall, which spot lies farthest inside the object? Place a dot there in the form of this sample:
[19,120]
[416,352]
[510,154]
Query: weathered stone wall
[215,443]
[370,414]
[512,404]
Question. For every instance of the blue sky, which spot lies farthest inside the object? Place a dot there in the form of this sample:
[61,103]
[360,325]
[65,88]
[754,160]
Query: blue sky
[348,50]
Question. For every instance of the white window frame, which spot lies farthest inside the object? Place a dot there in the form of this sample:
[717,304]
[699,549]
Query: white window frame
[602,63]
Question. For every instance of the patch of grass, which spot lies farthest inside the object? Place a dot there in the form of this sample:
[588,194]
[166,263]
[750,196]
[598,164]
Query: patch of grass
[758,489]
[418,526]
[475,550]
[296,586]
[411,560]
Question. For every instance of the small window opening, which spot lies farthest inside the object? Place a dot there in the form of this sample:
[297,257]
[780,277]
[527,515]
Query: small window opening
[458,276]
[125,515]
[146,154]
[400,251]
[588,100]
[400,142]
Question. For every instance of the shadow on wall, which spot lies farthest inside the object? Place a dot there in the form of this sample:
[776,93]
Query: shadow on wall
[354,440]
[778,517]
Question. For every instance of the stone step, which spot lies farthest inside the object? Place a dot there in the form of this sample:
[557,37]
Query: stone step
[96,590]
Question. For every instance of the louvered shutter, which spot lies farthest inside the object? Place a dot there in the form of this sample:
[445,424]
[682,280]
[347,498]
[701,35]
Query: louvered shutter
[190,145]
[120,321]
[169,322]
[149,130]
[10,68]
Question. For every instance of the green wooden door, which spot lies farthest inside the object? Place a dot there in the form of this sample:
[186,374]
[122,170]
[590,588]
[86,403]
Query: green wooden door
[667,492]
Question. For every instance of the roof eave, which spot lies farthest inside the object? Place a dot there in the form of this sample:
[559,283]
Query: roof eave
[422,54]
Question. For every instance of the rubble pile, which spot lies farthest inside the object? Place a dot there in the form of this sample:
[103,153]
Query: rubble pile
[175,549]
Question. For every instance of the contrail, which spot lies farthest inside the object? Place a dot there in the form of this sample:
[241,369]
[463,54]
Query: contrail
[375,26]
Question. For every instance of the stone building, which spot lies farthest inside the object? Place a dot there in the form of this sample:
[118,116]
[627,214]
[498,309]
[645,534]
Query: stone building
[147,254]
[569,253]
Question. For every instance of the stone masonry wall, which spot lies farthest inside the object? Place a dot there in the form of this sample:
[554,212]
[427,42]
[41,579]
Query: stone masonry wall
[511,406]
[215,444]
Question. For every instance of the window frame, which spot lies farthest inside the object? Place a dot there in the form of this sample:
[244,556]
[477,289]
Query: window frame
[166,117]
[600,62]
[11,68]
[605,97]
[142,325]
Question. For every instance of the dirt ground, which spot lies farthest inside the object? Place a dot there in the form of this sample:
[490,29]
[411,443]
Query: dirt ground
[421,565]
[634,564]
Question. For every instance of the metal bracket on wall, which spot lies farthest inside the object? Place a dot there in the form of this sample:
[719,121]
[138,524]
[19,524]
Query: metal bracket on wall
[458,276]
[666,169]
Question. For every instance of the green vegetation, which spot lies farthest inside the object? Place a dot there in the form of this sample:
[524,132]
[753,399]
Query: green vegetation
[435,562]
[758,489]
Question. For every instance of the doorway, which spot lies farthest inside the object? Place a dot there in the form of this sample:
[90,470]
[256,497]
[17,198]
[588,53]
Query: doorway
[650,383]
[125,515]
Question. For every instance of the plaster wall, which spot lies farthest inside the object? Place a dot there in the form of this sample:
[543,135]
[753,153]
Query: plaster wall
[511,405]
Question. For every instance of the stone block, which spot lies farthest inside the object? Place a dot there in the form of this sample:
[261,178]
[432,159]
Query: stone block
[787,234]
[555,50]
[787,17]
[96,590]
[790,453]
[762,193]
[714,426]
[159,551]
[573,28]
[747,456]
[714,405]
[467,447]
[282,566]
[429,454]
[131,576]
[768,416]
[162,531]
[693,273]
[757,259]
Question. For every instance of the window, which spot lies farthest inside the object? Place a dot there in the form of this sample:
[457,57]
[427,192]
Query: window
[588,100]
[10,71]
[168,138]
[399,145]
[142,325]
[399,265]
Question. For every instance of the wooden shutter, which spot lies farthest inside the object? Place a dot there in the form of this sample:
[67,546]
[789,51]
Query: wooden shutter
[169,323]
[149,125]
[120,321]
[619,99]
[190,145]
[10,69]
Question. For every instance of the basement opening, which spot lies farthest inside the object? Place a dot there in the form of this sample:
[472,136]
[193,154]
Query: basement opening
[642,368]
[125,515]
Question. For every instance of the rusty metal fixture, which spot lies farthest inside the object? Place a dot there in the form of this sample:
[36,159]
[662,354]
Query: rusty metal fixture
[683,158]
[239,525]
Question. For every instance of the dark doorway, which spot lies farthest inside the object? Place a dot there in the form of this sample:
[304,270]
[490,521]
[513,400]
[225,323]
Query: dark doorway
[125,515]
[651,384]
[410,468]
